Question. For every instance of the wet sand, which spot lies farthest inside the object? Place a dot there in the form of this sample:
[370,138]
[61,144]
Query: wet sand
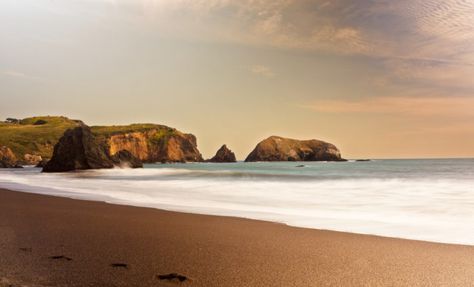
[52,241]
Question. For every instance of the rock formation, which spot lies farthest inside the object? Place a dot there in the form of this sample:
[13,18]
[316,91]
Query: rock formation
[32,159]
[42,163]
[79,149]
[223,155]
[124,158]
[148,142]
[7,158]
[283,149]
[160,144]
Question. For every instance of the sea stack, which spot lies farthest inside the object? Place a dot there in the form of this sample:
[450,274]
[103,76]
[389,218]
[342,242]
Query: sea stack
[79,149]
[224,154]
[277,148]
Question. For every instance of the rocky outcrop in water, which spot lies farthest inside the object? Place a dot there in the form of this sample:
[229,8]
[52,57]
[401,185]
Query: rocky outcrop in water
[7,158]
[79,149]
[283,149]
[42,163]
[224,154]
[124,158]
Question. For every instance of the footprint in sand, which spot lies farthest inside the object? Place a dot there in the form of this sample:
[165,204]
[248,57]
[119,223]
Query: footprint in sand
[119,265]
[61,257]
[173,277]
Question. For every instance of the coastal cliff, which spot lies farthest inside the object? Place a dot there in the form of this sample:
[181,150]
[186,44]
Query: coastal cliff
[277,148]
[151,143]
[32,140]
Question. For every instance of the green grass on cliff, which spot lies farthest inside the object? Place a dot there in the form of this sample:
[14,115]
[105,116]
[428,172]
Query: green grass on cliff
[113,130]
[162,131]
[36,135]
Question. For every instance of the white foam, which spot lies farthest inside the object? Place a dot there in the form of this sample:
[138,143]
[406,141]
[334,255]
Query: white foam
[440,210]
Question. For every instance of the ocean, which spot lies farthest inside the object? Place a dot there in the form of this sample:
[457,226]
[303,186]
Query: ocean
[427,199]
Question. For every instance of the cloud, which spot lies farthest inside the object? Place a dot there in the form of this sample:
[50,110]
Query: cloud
[20,75]
[455,107]
[262,70]
[14,74]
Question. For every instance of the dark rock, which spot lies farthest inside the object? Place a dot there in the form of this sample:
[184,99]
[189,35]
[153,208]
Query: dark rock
[223,155]
[283,149]
[124,158]
[79,149]
[363,160]
[42,163]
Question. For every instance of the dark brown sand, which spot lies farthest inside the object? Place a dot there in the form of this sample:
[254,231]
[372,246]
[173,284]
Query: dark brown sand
[51,241]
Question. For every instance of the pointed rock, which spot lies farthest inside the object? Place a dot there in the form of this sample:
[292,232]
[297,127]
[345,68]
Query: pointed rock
[223,155]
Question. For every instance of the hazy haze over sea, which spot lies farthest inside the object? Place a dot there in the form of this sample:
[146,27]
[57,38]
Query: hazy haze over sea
[416,199]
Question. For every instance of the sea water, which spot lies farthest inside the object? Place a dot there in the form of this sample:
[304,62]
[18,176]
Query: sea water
[430,199]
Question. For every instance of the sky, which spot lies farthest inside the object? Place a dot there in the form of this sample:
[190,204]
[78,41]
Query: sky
[377,78]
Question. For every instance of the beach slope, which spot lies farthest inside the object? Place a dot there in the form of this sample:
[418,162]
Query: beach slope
[52,241]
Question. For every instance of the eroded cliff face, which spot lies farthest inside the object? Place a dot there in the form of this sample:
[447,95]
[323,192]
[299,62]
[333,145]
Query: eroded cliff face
[283,149]
[7,158]
[32,140]
[156,145]
[136,143]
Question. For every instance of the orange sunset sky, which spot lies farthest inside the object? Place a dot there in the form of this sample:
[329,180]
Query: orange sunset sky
[380,79]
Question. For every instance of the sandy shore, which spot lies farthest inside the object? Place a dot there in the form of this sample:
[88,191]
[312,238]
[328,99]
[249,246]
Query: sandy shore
[51,241]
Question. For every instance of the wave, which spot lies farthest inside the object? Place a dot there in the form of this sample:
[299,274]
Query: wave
[434,208]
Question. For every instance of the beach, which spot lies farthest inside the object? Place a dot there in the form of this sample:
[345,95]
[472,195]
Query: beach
[53,241]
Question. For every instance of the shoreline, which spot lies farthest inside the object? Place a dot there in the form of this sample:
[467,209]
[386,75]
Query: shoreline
[209,250]
[229,216]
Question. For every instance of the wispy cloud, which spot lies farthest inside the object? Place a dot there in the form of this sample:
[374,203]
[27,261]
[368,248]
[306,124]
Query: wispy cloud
[399,106]
[262,70]
[426,41]
[14,74]
[20,75]
[413,29]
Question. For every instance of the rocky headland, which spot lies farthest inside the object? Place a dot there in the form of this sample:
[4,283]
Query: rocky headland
[32,140]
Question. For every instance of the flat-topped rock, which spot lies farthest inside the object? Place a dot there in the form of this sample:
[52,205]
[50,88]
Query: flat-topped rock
[277,148]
